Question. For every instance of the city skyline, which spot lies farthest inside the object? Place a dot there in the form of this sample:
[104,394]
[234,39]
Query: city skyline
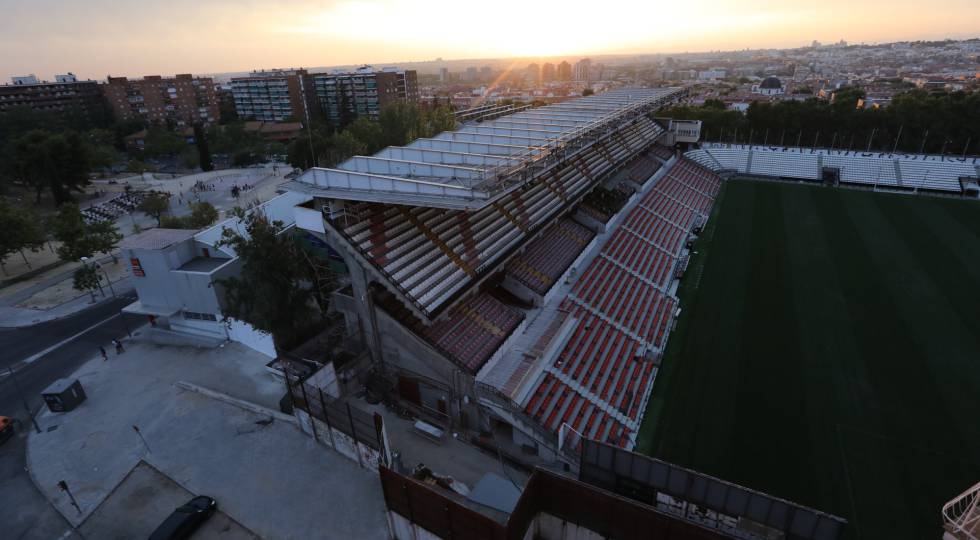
[220,36]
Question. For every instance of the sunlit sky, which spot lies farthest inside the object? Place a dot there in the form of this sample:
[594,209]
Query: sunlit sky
[94,38]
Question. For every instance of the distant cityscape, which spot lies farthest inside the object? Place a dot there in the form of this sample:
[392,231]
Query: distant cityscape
[737,78]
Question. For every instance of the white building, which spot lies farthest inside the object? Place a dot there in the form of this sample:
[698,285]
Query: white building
[177,274]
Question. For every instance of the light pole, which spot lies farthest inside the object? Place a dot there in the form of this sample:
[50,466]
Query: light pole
[106,274]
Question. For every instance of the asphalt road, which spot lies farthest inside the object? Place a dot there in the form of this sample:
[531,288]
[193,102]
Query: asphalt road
[55,349]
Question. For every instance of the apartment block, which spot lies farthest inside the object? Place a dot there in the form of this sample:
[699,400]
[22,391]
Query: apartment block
[67,94]
[181,100]
[364,92]
[273,95]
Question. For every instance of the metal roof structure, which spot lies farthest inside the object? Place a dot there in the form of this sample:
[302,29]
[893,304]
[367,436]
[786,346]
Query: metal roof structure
[480,162]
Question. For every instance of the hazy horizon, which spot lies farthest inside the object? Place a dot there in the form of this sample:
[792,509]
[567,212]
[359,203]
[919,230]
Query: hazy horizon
[98,38]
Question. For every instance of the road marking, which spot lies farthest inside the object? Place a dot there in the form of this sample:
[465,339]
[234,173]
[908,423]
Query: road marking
[35,357]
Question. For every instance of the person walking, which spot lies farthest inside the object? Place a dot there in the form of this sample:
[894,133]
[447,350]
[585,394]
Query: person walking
[119,346]
[105,355]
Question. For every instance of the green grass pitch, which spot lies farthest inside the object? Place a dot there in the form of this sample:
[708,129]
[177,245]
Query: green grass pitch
[828,352]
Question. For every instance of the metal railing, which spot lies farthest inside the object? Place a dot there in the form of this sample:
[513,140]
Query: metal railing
[961,516]
[502,177]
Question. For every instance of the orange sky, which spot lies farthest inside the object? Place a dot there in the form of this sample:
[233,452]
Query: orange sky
[94,38]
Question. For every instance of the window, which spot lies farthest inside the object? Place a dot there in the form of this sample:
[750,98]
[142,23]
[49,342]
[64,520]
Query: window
[200,316]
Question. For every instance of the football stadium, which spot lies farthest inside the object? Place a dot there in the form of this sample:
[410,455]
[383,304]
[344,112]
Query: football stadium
[767,342]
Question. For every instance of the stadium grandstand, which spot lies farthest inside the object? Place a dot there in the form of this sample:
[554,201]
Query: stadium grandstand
[518,275]
[878,170]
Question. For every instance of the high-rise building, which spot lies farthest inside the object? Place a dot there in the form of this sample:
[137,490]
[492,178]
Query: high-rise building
[532,74]
[470,75]
[486,73]
[564,71]
[345,95]
[582,70]
[274,95]
[181,100]
[547,72]
[65,95]
[443,74]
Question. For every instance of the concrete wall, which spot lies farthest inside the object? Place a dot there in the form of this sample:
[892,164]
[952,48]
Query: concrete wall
[326,379]
[197,327]
[162,285]
[153,286]
[247,335]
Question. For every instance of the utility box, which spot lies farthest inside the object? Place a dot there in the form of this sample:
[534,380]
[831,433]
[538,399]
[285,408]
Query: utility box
[63,395]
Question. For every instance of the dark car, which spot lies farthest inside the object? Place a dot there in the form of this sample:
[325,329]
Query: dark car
[186,519]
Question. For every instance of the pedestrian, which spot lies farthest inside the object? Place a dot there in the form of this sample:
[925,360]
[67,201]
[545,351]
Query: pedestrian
[105,355]
[119,346]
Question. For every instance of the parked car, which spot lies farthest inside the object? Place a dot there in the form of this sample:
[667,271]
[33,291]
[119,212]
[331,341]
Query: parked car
[186,519]
[6,428]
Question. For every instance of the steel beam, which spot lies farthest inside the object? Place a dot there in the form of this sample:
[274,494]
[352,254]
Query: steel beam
[443,157]
[469,147]
[409,169]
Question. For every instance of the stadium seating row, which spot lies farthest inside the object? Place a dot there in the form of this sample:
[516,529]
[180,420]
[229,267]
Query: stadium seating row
[474,330]
[911,171]
[643,168]
[662,152]
[624,312]
[554,403]
[547,257]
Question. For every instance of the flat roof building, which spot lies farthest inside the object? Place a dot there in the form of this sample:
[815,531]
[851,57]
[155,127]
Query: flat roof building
[345,95]
[182,100]
[276,95]
[65,95]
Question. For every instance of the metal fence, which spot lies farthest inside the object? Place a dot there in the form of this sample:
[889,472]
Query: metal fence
[435,512]
[336,414]
[688,493]
[574,502]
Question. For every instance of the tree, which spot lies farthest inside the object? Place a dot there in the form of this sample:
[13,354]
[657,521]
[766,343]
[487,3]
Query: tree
[87,278]
[102,237]
[155,205]
[79,239]
[368,132]
[202,215]
[21,230]
[160,141]
[203,152]
[68,227]
[44,162]
[269,293]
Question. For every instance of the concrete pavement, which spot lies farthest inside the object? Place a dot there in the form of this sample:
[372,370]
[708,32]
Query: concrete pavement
[146,497]
[268,476]
[13,314]
[42,354]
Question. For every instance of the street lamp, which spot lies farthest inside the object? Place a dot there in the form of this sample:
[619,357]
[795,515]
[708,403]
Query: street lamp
[122,319]
[106,274]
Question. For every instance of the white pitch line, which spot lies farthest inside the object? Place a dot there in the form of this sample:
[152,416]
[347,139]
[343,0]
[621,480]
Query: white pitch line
[35,357]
